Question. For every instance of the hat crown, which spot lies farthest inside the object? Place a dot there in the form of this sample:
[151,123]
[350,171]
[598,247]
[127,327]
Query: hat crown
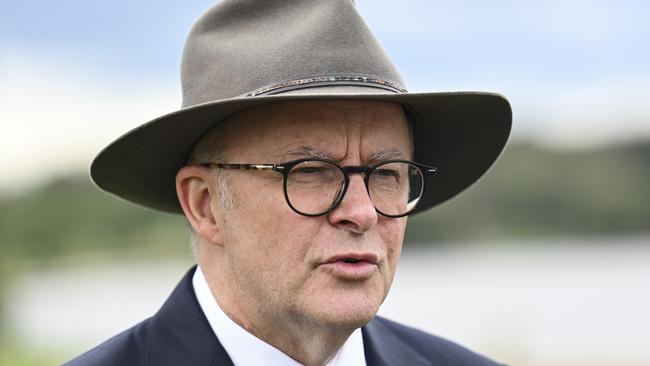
[242,47]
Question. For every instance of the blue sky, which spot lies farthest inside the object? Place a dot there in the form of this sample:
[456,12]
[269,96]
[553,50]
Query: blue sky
[560,41]
[74,75]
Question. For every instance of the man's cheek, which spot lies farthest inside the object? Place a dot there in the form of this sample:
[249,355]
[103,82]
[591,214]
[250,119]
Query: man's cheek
[392,232]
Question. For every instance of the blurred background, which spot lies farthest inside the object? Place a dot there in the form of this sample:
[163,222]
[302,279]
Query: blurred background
[544,262]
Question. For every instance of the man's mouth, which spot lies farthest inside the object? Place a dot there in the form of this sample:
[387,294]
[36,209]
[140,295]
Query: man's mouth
[350,260]
[368,257]
[352,266]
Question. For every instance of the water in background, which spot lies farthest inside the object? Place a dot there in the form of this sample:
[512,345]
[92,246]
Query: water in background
[560,302]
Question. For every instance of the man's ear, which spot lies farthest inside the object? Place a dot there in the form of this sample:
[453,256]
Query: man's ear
[196,194]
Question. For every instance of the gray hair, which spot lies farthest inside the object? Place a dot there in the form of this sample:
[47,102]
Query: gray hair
[212,148]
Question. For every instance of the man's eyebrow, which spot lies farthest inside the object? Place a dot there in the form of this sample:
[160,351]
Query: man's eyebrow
[314,152]
[383,155]
[310,152]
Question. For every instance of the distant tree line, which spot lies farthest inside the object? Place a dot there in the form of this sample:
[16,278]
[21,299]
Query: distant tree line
[531,192]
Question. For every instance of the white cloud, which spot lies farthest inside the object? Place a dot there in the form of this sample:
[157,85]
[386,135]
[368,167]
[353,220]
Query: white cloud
[55,116]
[585,115]
[424,21]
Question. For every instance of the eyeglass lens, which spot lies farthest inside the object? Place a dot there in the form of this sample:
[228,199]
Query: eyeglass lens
[313,187]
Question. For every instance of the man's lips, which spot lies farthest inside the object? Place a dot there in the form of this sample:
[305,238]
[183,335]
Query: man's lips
[367,257]
[352,266]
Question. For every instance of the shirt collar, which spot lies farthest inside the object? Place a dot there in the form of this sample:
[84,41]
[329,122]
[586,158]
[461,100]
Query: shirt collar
[247,350]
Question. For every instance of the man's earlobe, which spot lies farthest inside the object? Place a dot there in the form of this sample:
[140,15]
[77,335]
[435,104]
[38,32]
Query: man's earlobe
[195,194]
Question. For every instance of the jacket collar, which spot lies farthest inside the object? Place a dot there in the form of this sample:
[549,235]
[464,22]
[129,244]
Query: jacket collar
[384,348]
[181,335]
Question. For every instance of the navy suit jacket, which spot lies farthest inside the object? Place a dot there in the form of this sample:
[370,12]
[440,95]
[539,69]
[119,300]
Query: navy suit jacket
[180,335]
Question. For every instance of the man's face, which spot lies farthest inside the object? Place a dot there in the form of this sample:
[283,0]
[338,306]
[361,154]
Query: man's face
[290,267]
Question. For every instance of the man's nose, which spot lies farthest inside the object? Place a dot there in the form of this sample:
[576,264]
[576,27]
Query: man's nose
[355,212]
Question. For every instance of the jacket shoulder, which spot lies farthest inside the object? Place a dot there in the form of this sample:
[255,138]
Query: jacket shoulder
[437,350]
[127,348]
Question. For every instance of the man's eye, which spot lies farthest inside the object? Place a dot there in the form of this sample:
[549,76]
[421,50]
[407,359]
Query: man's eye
[386,173]
[308,170]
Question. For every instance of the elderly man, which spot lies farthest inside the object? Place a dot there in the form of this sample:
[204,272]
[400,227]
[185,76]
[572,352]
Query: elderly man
[296,158]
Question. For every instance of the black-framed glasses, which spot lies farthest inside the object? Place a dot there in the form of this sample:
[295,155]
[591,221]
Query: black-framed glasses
[315,187]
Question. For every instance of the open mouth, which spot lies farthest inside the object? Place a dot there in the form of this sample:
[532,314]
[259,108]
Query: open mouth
[350,260]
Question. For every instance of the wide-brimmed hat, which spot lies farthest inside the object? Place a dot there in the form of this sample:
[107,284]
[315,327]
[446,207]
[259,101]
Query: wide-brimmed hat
[243,53]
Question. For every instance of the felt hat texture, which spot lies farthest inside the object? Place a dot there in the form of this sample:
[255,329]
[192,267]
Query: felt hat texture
[243,53]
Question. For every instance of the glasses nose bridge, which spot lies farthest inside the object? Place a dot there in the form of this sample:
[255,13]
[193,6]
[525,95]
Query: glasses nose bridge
[350,169]
[356,169]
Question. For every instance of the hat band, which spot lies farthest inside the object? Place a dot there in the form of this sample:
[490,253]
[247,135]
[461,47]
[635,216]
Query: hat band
[327,81]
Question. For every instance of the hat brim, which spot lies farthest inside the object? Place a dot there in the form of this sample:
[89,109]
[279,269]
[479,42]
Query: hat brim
[459,133]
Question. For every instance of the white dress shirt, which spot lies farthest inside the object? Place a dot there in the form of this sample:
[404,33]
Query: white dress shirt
[245,349]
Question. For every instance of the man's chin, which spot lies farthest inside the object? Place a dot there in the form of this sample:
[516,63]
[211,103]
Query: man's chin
[348,312]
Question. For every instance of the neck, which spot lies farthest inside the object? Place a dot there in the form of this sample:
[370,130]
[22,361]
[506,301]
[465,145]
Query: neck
[304,340]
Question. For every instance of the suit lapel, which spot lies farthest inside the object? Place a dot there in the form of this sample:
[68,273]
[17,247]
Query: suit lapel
[181,335]
[383,348]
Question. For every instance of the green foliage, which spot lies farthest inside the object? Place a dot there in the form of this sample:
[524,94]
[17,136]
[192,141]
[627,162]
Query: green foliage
[533,191]
[71,216]
[17,355]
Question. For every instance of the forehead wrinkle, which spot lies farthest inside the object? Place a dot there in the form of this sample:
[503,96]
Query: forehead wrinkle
[311,151]
[336,133]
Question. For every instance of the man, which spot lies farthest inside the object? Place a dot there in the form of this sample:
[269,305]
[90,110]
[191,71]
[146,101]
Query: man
[296,159]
